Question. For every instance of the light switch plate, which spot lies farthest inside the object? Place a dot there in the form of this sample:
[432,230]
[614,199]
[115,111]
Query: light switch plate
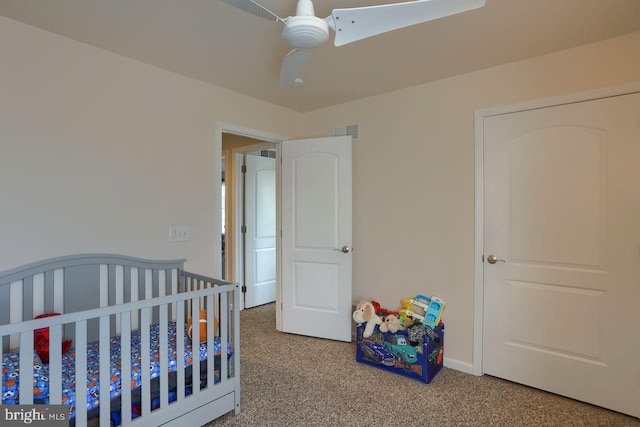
[178,233]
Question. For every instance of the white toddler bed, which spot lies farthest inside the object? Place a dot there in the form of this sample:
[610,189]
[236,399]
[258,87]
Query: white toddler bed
[134,312]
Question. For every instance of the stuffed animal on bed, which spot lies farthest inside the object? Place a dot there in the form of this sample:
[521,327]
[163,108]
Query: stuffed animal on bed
[203,326]
[41,340]
[365,313]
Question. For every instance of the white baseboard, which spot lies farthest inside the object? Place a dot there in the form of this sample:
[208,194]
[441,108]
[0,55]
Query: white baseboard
[458,365]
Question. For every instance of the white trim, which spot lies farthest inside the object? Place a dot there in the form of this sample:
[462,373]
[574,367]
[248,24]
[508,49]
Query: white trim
[480,115]
[457,365]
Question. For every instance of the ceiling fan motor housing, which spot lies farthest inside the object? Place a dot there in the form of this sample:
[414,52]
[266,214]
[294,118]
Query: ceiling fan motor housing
[305,31]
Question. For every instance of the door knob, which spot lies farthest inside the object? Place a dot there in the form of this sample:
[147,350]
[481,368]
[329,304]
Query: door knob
[344,249]
[492,259]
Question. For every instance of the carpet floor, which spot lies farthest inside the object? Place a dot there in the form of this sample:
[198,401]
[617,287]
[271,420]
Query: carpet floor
[292,380]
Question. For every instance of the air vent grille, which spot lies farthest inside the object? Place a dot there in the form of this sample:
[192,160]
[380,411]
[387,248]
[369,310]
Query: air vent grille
[353,130]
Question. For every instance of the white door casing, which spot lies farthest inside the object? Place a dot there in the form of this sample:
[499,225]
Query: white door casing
[260,236]
[561,208]
[316,224]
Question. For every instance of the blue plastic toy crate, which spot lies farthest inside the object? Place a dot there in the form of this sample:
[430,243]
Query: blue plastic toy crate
[394,353]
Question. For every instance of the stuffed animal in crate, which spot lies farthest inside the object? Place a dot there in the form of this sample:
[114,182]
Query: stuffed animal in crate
[391,324]
[366,313]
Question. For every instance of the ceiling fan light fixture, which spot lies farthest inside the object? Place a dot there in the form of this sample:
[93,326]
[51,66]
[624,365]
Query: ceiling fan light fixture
[305,31]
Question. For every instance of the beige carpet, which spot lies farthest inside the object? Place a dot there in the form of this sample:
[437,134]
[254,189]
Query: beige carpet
[291,380]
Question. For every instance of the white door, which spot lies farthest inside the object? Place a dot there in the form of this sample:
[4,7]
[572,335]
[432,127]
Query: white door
[562,209]
[260,235]
[316,229]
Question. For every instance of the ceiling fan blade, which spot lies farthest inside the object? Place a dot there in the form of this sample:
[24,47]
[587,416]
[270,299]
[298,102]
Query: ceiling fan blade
[353,24]
[292,65]
[254,8]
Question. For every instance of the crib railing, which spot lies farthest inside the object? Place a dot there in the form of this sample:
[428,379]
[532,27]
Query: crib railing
[195,292]
[81,282]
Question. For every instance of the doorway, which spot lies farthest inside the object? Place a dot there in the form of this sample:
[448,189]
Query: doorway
[248,211]
[329,153]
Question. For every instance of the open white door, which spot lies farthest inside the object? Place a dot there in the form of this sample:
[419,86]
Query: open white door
[260,235]
[316,237]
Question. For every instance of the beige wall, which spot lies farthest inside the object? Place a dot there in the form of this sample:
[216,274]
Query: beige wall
[99,153]
[414,174]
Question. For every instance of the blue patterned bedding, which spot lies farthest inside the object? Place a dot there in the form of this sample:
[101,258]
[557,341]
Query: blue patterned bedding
[10,369]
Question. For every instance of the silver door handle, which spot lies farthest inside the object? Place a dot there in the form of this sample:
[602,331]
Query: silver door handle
[344,249]
[492,259]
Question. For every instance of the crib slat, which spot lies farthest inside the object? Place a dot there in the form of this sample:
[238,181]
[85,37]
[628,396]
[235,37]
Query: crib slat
[174,290]
[224,336]
[144,360]
[180,349]
[104,285]
[162,283]
[195,347]
[125,367]
[26,368]
[134,295]
[164,354]
[55,364]
[15,314]
[119,288]
[81,372]
[58,290]
[148,288]
[148,284]
[38,294]
[105,380]
[211,355]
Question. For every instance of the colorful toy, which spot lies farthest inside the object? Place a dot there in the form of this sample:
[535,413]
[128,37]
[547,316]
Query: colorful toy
[365,313]
[434,312]
[427,310]
[203,326]
[415,308]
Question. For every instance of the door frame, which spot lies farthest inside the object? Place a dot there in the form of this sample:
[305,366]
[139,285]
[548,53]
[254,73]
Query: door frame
[222,128]
[480,115]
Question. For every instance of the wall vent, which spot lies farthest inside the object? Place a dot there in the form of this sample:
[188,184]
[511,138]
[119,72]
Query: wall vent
[353,130]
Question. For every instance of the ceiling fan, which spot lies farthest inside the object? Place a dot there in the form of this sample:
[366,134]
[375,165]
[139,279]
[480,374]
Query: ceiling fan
[305,31]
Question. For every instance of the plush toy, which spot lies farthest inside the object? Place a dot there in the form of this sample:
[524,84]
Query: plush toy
[203,326]
[391,324]
[365,313]
[41,340]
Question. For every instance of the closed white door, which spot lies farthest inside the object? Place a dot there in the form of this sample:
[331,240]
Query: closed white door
[260,234]
[562,221]
[316,237]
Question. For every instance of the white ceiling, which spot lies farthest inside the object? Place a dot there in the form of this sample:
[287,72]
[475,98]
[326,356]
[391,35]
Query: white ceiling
[216,43]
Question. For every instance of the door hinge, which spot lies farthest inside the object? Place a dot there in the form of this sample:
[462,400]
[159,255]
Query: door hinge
[244,168]
[482,257]
[244,289]
[243,229]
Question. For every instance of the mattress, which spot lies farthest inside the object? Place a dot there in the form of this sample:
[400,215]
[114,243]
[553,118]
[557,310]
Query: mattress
[11,371]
